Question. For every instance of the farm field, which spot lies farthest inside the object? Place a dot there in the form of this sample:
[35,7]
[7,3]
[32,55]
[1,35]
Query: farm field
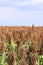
[21,45]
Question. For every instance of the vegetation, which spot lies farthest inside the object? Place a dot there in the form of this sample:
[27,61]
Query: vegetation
[21,46]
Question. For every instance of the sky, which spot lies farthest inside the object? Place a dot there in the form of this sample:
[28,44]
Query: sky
[21,12]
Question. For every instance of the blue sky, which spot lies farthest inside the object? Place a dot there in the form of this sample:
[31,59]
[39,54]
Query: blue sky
[21,12]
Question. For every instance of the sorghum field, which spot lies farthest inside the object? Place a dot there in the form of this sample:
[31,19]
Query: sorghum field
[21,45]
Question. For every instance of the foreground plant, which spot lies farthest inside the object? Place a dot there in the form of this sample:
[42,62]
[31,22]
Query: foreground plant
[20,53]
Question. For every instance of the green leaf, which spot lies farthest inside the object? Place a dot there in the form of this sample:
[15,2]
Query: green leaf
[13,45]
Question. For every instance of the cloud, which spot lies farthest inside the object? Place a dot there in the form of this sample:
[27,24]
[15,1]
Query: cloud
[27,2]
[10,13]
[3,0]
[19,16]
[7,13]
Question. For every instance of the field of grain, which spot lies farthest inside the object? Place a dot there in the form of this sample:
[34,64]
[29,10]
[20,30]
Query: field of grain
[21,45]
